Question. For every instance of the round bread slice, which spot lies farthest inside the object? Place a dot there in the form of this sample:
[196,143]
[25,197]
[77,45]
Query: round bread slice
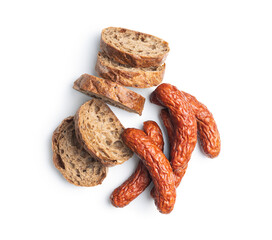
[75,164]
[128,76]
[99,131]
[133,48]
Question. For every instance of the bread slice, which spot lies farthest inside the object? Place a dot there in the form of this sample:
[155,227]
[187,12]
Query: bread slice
[99,131]
[133,48]
[74,163]
[128,76]
[110,92]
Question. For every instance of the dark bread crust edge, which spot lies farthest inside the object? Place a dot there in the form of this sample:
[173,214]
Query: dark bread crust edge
[57,159]
[139,79]
[111,92]
[131,59]
[105,162]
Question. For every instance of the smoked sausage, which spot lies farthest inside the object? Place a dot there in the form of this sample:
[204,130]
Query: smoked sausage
[184,124]
[157,165]
[140,179]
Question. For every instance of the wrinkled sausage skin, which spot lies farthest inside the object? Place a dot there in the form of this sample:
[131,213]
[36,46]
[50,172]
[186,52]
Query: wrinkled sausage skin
[157,165]
[208,133]
[140,179]
[184,123]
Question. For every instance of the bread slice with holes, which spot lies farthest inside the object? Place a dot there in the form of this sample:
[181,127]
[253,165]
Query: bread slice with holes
[128,76]
[133,48]
[99,131]
[75,164]
[110,92]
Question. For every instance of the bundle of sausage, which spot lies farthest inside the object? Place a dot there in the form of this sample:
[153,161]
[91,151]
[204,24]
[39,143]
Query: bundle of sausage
[184,118]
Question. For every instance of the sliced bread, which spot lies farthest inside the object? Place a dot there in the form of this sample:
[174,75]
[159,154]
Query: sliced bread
[128,76]
[74,163]
[133,48]
[99,131]
[110,92]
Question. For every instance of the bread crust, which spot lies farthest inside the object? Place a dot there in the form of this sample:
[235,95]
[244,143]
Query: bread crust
[139,79]
[111,92]
[58,163]
[85,143]
[131,59]
[56,157]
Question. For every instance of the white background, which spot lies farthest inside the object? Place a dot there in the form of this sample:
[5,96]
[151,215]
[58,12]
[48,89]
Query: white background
[221,52]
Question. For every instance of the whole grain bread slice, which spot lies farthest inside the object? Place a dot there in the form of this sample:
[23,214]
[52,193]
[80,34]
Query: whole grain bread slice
[75,164]
[133,48]
[99,131]
[110,92]
[128,76]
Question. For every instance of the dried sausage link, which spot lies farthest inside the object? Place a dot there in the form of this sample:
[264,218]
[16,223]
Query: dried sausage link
[157,165]
[132,187]
[140,179]
[208,133]
[184,123]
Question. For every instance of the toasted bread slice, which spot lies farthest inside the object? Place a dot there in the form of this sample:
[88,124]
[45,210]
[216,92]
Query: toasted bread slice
[133,48]
[99,131]
[74,163]
[128,76]
[110,92]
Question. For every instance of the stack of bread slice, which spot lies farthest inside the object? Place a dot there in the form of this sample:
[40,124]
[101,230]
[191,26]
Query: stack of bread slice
[86,144]
[131,58]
